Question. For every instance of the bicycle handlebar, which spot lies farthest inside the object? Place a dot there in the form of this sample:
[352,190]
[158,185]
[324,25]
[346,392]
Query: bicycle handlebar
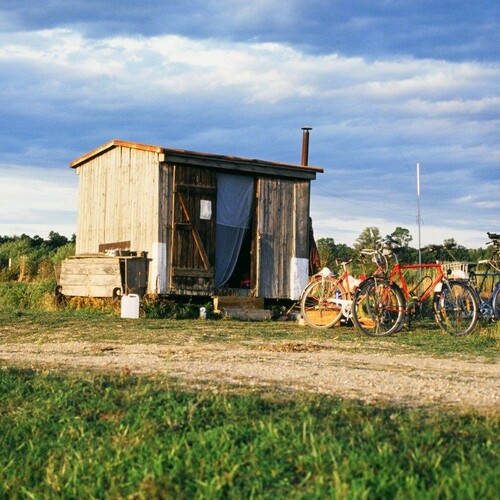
[390,243]
[339,262]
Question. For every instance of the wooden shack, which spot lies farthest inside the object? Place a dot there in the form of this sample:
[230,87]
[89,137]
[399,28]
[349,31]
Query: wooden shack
[208,224]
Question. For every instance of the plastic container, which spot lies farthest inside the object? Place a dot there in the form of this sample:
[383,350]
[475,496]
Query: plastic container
[130,306]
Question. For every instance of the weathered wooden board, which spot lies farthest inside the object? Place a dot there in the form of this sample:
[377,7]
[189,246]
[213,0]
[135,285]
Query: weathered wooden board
[88,291]
[103,276]
[246,314]
[92,279]
[90,268]
[227,301]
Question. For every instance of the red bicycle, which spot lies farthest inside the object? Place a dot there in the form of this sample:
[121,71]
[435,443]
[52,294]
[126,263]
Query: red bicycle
[384,301]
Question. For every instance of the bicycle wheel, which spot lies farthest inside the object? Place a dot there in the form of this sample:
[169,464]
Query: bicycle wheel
[378,308]
[495,304]
[456,308]
[322,301]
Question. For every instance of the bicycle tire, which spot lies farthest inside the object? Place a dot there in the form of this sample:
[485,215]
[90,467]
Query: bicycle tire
[456,308]
[378,308]
[320,306]
[495,304]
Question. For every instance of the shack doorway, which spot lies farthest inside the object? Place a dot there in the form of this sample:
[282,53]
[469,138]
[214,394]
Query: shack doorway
[235,203]
[193,248]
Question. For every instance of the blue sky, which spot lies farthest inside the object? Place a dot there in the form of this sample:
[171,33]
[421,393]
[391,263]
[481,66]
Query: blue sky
[384,85]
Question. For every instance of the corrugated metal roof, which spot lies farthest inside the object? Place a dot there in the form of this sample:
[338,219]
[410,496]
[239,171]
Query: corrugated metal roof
[181,153]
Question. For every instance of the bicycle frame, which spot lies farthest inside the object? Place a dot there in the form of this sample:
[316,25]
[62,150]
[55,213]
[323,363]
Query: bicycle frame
[343,281]
[397,272]
[396,275]
[486,305]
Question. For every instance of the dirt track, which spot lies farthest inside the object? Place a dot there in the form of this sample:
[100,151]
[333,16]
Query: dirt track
[349,372]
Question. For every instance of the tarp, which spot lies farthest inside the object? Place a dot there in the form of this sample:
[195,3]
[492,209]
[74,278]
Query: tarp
[234,211]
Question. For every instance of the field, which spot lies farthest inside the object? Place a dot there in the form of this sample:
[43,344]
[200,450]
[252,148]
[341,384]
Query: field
[96,406]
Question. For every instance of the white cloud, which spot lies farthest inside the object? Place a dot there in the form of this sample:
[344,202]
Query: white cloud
[486,200]
[37,201]
[266,72]
[370,117]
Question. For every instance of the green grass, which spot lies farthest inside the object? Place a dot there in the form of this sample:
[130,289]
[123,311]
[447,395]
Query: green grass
[102,436]
[65,325]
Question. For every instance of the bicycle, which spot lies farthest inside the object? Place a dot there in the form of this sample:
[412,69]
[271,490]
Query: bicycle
[489,302]
[384,301]
[327,299]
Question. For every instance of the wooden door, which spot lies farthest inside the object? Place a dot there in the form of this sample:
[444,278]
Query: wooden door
[193,242]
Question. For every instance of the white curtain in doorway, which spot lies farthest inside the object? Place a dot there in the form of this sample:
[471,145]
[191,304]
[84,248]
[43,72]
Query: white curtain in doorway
[234,211]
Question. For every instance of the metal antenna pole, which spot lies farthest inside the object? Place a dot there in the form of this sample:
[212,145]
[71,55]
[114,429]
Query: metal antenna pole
[418,215]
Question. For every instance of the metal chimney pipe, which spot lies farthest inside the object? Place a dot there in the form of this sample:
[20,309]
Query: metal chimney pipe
[305,145]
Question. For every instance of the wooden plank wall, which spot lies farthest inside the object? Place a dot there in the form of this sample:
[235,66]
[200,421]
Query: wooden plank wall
[302,191]
[283,211]
[166,228]
[90,277]
[118,200]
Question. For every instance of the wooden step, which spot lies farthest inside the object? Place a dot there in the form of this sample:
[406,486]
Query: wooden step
[231,301]
[246,314]
[244,308]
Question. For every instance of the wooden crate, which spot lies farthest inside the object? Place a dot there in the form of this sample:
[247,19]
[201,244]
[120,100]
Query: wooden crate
[96,275]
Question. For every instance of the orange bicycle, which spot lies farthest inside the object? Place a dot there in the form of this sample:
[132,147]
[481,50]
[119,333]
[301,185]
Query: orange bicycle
[327,299]
[384,301]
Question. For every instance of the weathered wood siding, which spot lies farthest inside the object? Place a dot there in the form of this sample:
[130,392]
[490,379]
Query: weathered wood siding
[165,230]
[118,200]
[90,277]
[282,233]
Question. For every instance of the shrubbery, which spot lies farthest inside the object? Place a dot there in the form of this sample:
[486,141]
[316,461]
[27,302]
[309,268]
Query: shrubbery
[27,270]
[163,308]
[25,259]
[20,296]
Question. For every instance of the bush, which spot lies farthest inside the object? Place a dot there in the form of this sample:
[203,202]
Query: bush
[22,296]
[163,308]
[62,253]
[33,257]
[93,305]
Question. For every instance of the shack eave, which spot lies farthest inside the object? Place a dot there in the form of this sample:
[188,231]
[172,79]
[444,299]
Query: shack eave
[172,153]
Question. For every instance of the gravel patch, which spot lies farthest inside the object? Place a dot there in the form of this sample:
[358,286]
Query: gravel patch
[358,374]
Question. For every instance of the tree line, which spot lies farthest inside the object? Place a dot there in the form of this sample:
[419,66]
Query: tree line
[449,250]
[25,257]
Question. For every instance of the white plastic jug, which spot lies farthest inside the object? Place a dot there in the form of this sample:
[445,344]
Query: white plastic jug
[130,306]
[203,313]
